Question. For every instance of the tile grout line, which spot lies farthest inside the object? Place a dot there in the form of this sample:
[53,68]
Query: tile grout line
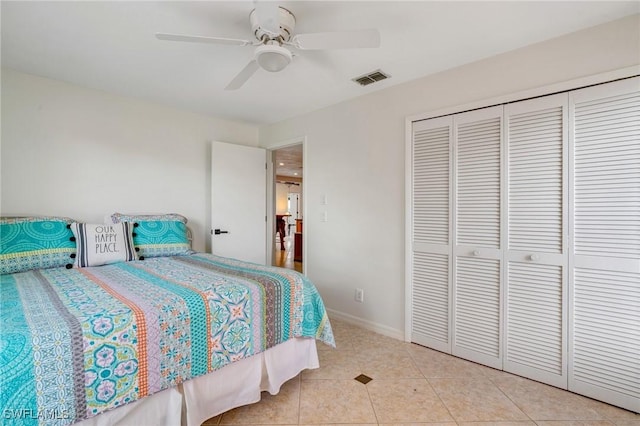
[359,362]
[510,399]
[537,422]
[372,406]
[432,388]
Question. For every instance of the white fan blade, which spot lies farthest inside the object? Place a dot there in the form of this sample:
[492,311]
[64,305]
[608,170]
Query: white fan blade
[203,39]
[268,14]
[337,40]
[243,76]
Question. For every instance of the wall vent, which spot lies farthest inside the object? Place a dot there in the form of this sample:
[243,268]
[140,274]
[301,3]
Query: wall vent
[371,77]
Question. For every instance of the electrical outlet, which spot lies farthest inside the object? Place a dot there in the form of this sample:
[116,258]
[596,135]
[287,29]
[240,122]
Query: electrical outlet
[324,216]
[359,297]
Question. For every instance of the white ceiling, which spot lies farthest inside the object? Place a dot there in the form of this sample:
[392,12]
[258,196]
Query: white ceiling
[111,46]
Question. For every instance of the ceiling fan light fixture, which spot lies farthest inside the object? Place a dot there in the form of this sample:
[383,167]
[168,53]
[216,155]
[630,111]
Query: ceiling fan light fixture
[273,27]
[272,57]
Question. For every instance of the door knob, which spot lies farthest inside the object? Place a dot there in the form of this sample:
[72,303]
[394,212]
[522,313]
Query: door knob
[218,232]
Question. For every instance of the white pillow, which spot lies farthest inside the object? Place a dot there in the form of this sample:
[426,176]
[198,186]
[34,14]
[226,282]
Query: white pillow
[103,244]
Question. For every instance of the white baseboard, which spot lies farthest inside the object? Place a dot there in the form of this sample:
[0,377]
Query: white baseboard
[369,325]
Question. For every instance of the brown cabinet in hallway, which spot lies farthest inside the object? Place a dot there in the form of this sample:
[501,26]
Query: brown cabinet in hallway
[297,245]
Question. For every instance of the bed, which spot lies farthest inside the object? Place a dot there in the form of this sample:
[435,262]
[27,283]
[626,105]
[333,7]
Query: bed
[168,337]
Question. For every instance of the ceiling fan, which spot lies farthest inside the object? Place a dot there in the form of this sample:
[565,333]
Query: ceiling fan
[272,27]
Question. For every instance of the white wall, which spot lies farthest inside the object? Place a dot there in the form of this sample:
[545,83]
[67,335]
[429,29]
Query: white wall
[83,153]
[356,153]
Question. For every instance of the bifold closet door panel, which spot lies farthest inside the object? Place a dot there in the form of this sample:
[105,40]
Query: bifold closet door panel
[604,344]
[431,223]
[537,238]
[477,257]
[477,310]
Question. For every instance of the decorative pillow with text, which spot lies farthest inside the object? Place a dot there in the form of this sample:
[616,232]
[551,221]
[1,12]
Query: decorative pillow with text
[103,244]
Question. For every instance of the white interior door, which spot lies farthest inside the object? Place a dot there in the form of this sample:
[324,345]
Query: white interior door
[477,256]
[536,289]
[604,280]
[430,231]
[239,202]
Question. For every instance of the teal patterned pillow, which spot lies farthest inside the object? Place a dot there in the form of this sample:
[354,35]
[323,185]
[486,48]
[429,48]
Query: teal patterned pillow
[34,242]
[158,235]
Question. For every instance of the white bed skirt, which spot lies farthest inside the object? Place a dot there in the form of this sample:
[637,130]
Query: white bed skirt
[199,399]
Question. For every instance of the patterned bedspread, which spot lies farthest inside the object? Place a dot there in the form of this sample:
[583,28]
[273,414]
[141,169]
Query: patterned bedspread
[77,342]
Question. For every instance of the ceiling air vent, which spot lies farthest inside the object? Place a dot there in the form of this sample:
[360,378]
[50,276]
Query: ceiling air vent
[371,77]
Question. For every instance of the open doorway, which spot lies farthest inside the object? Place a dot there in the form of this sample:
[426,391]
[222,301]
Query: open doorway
[288,241]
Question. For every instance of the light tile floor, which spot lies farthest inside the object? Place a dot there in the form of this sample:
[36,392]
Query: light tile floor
[415,385]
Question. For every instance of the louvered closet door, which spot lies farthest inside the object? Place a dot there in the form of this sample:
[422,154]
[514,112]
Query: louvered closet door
[477,256]
[535,277]
[430,233]
[604,345]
